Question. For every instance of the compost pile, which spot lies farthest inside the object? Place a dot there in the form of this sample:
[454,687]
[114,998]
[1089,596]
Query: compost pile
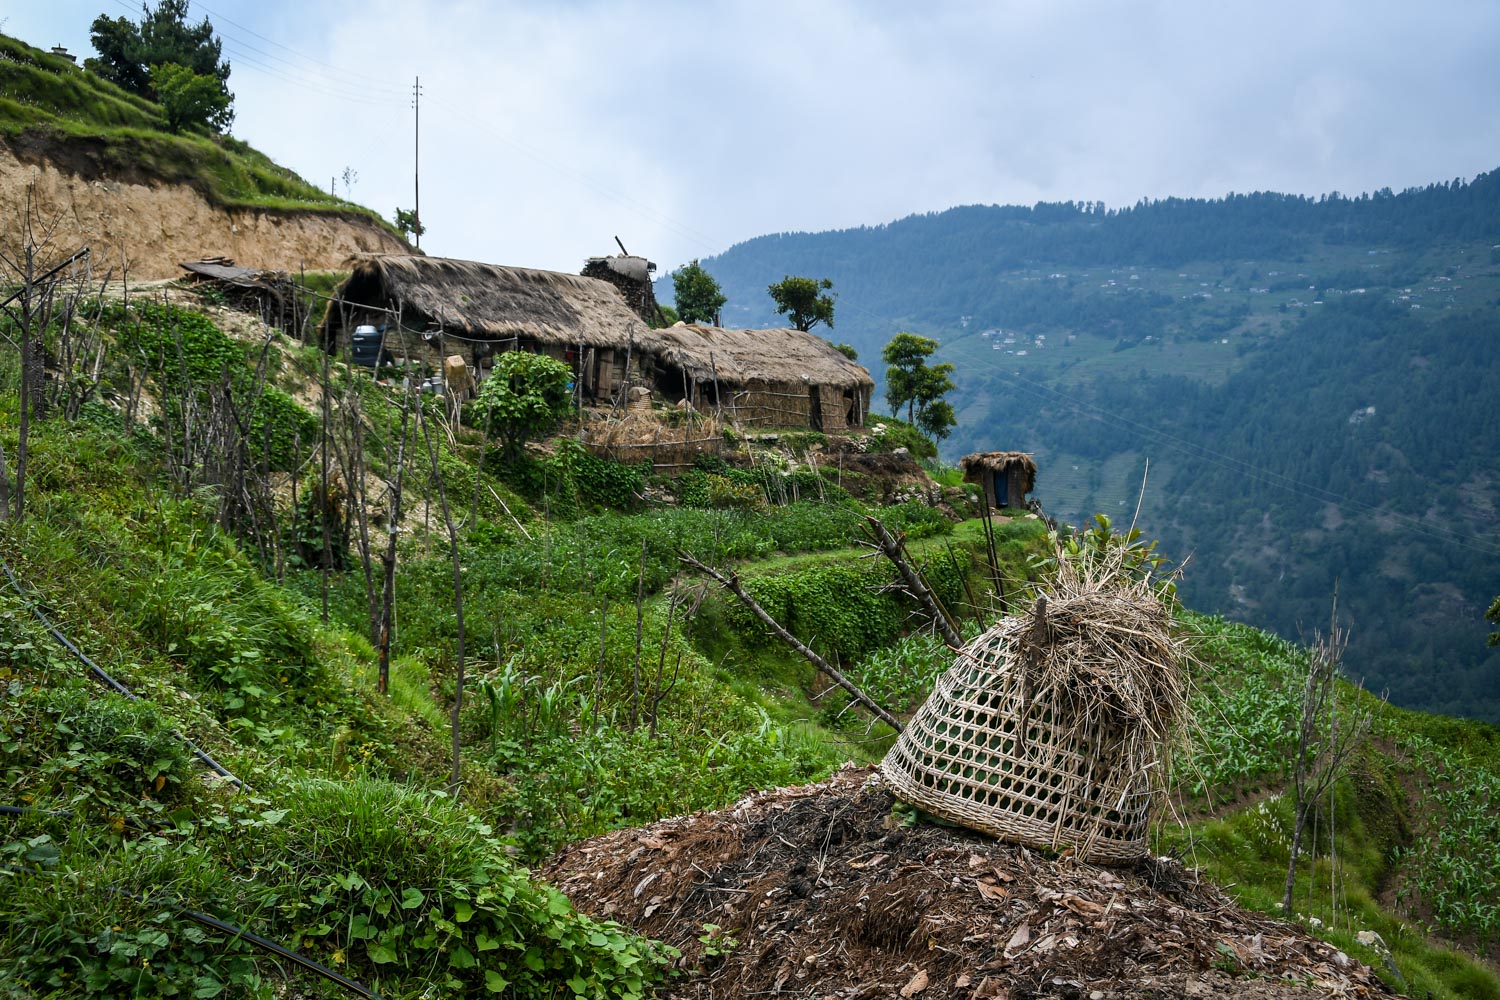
[827,890]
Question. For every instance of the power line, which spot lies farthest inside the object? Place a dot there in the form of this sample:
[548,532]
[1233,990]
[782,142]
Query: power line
[352,77]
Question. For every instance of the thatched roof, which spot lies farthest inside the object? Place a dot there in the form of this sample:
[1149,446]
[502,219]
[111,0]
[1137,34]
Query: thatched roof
[742,356]
[487,301]
[1002,462]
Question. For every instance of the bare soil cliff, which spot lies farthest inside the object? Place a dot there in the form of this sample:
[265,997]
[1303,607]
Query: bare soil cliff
[152,227]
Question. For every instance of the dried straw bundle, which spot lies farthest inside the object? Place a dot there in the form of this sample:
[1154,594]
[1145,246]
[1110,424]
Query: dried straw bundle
[646,429]
[1052,728]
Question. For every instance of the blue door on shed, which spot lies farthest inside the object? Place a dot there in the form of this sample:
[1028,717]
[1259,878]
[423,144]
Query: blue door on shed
[1002,496]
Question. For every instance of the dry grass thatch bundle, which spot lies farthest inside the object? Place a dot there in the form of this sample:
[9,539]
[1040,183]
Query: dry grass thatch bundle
[674,443]
[1052,728]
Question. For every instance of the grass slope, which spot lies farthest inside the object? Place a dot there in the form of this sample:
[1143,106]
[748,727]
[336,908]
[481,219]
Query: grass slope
[581,717]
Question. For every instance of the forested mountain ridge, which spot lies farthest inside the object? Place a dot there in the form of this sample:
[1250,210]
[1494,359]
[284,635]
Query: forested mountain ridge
[1311,379]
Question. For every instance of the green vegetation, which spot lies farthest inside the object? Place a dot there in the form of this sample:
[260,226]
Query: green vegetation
[697,295]
[188,99]
[606,689]
[911,382]
[804,301]
[130,54]
[407,223]
[525,395]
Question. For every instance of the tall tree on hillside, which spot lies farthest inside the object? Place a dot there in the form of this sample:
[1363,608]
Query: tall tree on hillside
[803,301]
[189,99]
[128,51]
[911,382]
[698,295]
[1493,614]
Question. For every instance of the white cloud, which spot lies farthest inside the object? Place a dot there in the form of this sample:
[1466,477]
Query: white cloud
[550,127]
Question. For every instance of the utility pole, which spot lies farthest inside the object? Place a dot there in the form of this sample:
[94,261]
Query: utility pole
[416,156]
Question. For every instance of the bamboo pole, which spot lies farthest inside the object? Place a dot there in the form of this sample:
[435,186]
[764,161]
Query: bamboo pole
[731,583]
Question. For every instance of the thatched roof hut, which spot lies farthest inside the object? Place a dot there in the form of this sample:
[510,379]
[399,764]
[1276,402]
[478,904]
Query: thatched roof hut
[485,303]
[434,306]
[785,378]
[1007,476]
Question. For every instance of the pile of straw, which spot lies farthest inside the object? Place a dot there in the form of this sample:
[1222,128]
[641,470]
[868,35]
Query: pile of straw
[633,438]
[1052,729]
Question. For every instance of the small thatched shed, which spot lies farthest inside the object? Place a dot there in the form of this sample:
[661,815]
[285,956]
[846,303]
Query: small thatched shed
[1007,476]
[431,307]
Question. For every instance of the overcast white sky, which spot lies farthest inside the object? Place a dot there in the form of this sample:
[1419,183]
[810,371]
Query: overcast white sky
[685,126]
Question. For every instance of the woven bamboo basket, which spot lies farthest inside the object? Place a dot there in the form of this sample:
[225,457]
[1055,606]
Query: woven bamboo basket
[1004,747]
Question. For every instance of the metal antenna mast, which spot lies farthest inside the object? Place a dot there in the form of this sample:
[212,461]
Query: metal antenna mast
[416,158]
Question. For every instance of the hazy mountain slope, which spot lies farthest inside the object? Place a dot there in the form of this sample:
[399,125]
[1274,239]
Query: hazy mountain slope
[1230,342]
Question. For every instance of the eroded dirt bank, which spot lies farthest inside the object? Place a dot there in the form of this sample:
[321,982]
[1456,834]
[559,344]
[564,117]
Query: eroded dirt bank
[153,226]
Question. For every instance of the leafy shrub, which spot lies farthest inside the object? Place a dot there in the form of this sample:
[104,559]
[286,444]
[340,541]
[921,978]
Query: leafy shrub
[403,883]
[92,750]
[525,395]
[602,483]
[916,519]
[838,609]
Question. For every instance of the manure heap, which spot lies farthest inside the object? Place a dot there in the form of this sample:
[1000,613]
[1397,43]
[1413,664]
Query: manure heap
[823,890]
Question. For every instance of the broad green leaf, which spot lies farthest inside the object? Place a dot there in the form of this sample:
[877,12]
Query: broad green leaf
[381,954]
[494,982]
[411,899]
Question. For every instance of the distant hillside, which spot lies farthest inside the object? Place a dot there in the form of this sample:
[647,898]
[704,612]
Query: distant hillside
[1238,344]
[100,159]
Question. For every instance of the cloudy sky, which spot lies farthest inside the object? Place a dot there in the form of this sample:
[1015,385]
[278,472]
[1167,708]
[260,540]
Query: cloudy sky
[684,126]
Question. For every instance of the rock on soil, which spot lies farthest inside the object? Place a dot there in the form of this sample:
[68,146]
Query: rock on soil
[826,891]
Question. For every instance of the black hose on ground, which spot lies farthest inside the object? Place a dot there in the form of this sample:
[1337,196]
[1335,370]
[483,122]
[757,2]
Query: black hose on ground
[101,675]
[254,939]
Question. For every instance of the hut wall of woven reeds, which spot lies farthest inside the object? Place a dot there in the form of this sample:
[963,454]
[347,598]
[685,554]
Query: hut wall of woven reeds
[431,308]
[1005,476]
[1054,728]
